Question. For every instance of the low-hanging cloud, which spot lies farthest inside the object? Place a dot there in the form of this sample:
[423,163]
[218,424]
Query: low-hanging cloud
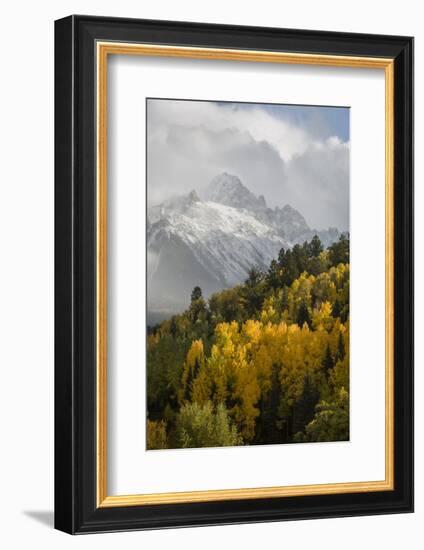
[190,142]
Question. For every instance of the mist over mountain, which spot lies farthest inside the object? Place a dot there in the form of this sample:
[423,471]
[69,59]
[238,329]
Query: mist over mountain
[213,240]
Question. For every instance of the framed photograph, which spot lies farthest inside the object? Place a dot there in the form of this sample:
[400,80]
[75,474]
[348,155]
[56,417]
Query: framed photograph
[234,274]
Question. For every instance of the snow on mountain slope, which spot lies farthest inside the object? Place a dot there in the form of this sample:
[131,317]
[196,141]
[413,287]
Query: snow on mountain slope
[226,240]
[214,242]
[287,221]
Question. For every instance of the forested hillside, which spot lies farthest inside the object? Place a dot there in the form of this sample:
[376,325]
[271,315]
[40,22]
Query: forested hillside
[263,362]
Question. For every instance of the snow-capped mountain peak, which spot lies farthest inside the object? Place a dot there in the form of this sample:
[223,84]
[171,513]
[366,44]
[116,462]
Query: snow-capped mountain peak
[290,221]
[228,189]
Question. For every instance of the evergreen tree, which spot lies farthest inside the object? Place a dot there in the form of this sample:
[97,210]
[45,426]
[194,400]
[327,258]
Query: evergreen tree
[227,306]
[304,408]
[340,348]
[318,265]
[327,362]
[253,292]
[196,294]
[267,426]
[290,270]
[254,277]
[198,305]
[303,316]
[173,327]
[191,376]
[315,246]
[281,257]
[339,251]
[337,309]
[273,276]
[284,298]
[300,258]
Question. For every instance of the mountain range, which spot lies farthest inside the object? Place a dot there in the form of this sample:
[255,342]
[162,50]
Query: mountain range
[213,240]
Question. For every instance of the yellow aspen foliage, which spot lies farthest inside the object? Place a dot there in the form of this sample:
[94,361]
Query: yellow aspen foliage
[324,289]
[201,388]
[269,314]
[340,374]
[152,340]
[156,435]
[299,292]
[195,354]
[192,366]
[322,318]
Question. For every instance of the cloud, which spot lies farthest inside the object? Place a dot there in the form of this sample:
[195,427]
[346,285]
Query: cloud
[189,142]
[319,184]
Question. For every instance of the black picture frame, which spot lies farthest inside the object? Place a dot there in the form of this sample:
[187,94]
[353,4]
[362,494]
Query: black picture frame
[76,510]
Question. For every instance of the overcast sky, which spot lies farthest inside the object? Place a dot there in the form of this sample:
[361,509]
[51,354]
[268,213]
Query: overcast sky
[293,155]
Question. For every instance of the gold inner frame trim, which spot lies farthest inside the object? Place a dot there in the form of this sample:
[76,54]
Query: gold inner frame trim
[103,50]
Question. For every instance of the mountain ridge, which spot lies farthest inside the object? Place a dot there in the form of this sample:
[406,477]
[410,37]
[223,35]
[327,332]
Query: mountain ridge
[213,240]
